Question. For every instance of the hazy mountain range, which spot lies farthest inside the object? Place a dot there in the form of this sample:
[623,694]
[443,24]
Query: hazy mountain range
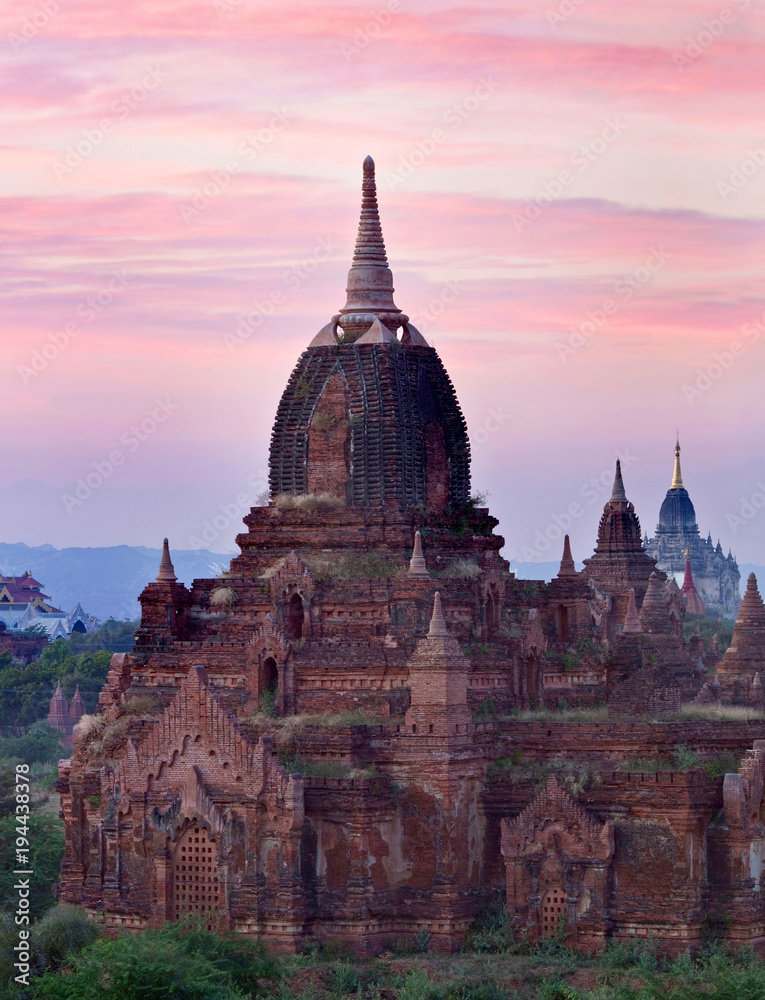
[107,581]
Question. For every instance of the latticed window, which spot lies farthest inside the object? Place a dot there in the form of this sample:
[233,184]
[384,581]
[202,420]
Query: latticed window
[196,888]
[553,908]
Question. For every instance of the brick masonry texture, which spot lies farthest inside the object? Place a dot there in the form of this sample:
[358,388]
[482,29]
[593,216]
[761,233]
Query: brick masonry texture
[325,742]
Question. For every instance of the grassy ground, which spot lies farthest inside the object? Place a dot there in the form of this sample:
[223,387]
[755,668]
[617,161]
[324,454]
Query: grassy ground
[73,961]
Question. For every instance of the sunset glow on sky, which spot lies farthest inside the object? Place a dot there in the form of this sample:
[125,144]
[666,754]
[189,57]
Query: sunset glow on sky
[573,201]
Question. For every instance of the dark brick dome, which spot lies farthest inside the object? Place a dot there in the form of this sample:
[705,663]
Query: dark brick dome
[677,512]
[367,416]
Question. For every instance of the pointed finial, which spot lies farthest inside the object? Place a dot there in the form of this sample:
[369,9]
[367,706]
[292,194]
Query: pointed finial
[567,564]
[417,566]
[370,281]
[370,245]
[166,570]
[677,478]
[618,491]
[438,622]
[632,620]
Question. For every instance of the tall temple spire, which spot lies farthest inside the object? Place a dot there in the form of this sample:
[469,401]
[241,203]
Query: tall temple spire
[370,245]
[618,491]
[166,569]
[677,478]
[370,280]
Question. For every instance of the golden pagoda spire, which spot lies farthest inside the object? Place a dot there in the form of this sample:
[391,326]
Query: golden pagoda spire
[677,479]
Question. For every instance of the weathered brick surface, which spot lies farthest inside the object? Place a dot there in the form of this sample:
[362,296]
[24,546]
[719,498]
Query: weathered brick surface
[437,800]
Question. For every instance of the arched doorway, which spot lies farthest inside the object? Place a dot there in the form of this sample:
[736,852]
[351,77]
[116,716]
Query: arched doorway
[196,888]
[553,909]
[79,626]
[269,678]
[293,617]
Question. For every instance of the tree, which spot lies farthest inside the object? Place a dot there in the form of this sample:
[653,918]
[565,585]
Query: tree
[46,849]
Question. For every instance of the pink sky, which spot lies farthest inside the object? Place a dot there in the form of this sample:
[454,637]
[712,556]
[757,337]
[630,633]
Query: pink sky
[599,323]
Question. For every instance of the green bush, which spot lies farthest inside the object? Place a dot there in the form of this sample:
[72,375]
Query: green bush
[345,980]
[418,986]
[267,704]
[59,935]
[491,933]
[179,962]
[635,953]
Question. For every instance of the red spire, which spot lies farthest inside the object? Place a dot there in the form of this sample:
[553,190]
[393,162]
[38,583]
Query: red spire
[694,604]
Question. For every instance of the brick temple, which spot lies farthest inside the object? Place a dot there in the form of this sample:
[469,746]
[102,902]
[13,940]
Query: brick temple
[329,740]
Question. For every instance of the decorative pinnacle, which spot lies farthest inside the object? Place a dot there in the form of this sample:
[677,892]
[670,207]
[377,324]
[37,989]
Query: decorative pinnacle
[618,491]
[370,245]
[166,570]
[632,621]
[417,566]
[677,479]
[567,564]
[438,622]
[653,612]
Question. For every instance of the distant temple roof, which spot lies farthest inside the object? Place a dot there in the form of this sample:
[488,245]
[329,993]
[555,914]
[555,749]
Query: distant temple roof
[677,512]
[22,590]
[24,605]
